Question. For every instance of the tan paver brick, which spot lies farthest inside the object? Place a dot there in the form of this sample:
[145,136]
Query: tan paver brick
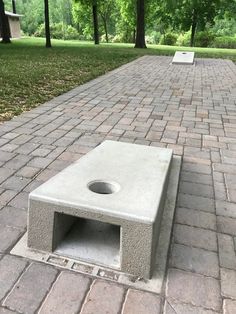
[229,306]
[66,295]
[173,307]
[104,297]
[140,302]
[31,289]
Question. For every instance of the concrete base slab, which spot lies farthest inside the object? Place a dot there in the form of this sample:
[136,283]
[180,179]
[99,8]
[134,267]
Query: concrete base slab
[183,57]
[156,283]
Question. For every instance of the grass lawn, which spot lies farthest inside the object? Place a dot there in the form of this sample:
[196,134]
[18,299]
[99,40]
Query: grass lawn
[30,74]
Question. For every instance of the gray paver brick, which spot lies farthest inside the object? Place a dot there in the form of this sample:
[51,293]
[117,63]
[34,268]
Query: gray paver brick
[6,156]
[220,191]
[20,201]
[30,290]
[196,189]
[10,216]
[196,177]
[232,194]
[227,254]
[15,183]
[226,225]
[196,167]
[194,289]
[228,283]
[196,237]
[195,218]
[195,260]
[8,236]
[18,162]
[40,162]
[6,196]
[95,301]
[141,303]
[226,168]
[67,294]
[11,268]
[5,173]
[196,202]
[9,147]
[225,209]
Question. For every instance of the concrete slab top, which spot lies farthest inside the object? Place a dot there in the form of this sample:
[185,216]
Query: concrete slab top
[183,57]
[119,179]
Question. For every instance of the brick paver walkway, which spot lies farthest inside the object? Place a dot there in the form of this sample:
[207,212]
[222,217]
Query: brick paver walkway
[190,109]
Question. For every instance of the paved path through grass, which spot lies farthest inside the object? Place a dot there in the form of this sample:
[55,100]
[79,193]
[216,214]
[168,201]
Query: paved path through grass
[191,109]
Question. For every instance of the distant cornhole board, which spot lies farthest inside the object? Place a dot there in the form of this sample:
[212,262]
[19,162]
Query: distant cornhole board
[183,57]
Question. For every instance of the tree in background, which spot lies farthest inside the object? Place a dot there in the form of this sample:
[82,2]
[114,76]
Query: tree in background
[95,22]
[82,20]
[194,15]
[4,25]
[126,22]
[47,24]
[14,6]
[93,4]
[167,22]
[105,10]
[140,28]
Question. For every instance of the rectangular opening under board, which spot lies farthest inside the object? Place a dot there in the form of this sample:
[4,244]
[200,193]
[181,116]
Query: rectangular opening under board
[91,241]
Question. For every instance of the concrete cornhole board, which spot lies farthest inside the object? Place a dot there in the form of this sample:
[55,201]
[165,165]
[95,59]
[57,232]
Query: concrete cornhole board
[110,238]
[114,198]
[183,57]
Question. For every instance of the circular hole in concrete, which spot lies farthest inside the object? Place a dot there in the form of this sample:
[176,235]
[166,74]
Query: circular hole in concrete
[103,187]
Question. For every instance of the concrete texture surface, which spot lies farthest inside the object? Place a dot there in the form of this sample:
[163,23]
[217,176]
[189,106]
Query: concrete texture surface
[188,109]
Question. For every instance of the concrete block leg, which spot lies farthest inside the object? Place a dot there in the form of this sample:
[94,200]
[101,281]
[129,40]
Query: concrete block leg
[40,230]
[46,227]
[136,249]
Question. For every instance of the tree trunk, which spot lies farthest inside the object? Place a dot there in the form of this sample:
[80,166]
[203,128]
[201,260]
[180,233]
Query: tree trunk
[140,33]
[134,35]
[193,28]
[47,24]
[4,25]
[14,6]
[95,24]
[105,27]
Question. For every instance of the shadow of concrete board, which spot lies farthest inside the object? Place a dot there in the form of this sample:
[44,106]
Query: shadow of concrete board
[104,209]
[183,57]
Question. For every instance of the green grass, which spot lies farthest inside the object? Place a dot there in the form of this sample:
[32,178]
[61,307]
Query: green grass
[30,74]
